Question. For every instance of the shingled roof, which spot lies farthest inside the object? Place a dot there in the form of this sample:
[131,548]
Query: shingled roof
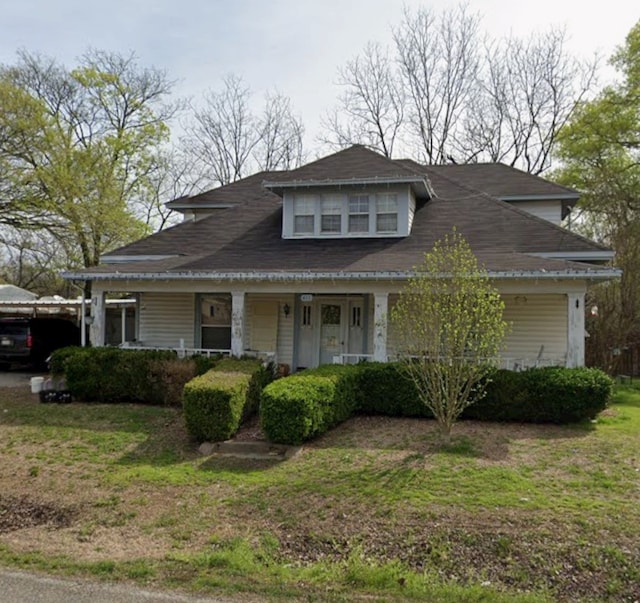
[247,236]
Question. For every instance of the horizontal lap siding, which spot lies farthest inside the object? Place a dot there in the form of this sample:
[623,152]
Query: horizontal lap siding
[284,345]
[536,321]
[547,210]
[166,318]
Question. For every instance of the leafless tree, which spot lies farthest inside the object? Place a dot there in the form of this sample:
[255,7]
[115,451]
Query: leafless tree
[448,92]
[174,176]
[527,91]
[230,141]
[32,260]
[280,135]
[372,104]
[439,60]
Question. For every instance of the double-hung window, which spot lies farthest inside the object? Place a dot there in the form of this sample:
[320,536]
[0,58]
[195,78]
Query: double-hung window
[215,322]
[331,215]
[387,213]
[359,213]
[304,209]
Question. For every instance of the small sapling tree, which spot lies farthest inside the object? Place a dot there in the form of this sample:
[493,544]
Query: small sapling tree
[449,325]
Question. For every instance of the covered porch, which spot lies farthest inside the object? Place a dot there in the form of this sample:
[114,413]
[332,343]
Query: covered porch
[306,324]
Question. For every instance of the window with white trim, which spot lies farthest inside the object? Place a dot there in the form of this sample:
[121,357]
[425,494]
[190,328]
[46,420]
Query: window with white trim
[331,214]
[359,213]
[215,322]
[386,213]
[304,210]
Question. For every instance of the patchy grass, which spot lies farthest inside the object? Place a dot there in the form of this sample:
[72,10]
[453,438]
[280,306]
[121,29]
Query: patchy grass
[376,509]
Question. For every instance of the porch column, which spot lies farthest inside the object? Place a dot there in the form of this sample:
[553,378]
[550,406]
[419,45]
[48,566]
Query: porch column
[380,307]
[98,318]
[575,329]
[237,323]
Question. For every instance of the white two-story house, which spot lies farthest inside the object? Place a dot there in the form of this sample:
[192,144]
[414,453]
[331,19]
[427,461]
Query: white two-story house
[306,264]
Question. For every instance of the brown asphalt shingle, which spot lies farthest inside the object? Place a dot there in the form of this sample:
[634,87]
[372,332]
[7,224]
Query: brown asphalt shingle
[247,237]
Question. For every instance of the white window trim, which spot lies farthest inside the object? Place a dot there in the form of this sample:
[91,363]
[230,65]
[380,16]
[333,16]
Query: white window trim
[401,229]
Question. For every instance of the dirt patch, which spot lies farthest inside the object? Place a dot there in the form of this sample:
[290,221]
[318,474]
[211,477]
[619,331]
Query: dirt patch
[468,549]
[19,512]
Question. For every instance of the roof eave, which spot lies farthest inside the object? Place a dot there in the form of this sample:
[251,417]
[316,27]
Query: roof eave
[284,277]
[420,185]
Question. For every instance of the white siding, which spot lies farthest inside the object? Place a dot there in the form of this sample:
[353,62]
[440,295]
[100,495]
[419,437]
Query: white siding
[547,210]
[284,342]
[166,318]
[538,323]
[538,326]
[412,208]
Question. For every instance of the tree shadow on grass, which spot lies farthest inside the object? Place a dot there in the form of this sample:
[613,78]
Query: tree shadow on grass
[477,439]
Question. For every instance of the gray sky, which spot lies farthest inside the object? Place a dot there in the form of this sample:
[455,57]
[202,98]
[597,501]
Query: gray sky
[294,46]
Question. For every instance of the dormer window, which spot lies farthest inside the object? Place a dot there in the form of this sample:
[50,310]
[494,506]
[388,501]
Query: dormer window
[331,214]
[359,213]
[387,213]
[304,210]
[336,213]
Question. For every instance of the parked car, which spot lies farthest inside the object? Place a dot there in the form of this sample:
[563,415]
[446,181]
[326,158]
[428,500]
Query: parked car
[32,340]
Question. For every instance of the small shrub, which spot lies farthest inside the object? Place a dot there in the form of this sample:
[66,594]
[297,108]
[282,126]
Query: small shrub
[111,374]
[213,404]
[261,376]
[544,395]
[297,408]
[168,378]
[387,390]
[59,358]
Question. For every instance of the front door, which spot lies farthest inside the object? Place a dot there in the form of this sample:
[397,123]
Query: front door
[331,331]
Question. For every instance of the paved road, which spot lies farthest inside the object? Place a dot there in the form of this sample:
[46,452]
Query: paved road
[22,587]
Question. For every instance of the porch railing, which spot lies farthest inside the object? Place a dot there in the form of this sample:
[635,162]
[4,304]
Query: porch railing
[504,362]
[184,352]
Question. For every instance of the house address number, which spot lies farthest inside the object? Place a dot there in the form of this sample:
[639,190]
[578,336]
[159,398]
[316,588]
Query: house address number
[306,297]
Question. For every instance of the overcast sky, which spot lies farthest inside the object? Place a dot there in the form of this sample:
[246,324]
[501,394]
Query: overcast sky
[294,46]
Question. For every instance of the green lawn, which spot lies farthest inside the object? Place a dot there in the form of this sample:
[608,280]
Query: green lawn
[375,510]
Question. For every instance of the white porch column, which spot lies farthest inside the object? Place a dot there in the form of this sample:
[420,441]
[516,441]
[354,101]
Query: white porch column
[123,324]
[575,329]
[237,323]
[98,318]
[380,308]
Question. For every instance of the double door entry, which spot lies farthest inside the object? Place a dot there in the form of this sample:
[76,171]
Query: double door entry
[329,328]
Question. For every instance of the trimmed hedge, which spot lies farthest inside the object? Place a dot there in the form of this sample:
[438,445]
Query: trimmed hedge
[115,375]
[543,395]
[297,408]
[261,376]
[213,404]
[385,390]
[305,405]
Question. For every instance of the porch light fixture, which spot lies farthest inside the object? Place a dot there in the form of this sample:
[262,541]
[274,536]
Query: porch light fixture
[286,309]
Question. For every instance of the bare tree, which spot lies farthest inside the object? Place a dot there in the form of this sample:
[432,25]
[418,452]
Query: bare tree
[372,105]
[439,60]
[448,93]
[280,135]
[527,91]
[32,261]
[230,141]
[174,175]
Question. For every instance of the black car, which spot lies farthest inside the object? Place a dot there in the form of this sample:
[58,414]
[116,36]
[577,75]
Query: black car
[31,340]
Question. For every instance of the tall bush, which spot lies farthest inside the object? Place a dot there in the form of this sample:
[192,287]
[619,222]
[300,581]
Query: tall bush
[213,404]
